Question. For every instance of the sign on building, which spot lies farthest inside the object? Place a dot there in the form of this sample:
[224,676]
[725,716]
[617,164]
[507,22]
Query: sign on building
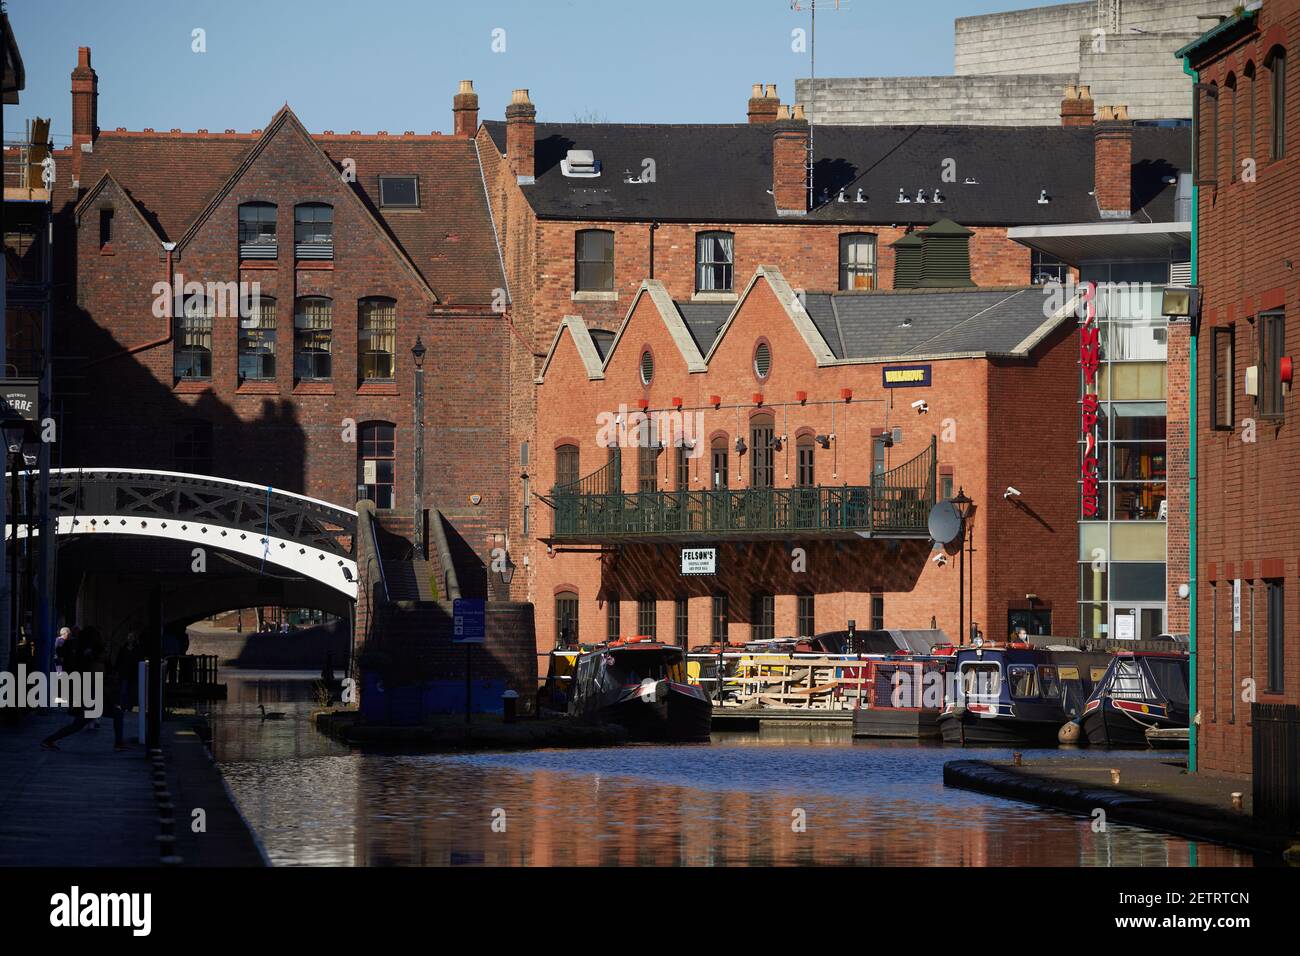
[469,620]
[699,561]
[19,400]
[905,376]
[1236,605]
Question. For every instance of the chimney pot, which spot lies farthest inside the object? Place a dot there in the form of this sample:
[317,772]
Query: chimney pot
[519,97]
[466,86]
[771,91]
[796,112]
[464,110]
[790,166]
[762,107]
[783,112]
[757,92]
[85,107]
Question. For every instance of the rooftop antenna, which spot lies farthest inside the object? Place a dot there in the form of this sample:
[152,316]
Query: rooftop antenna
[797,6]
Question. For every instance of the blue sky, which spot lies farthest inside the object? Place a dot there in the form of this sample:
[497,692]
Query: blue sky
[394,64]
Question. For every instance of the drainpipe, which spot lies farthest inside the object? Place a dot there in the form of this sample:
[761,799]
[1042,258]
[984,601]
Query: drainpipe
[1191,471]
[653,226]
[169,247]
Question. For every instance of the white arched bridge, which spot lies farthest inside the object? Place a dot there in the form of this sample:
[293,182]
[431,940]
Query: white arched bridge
[307,536]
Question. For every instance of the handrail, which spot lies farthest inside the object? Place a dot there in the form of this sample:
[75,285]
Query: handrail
[449,578]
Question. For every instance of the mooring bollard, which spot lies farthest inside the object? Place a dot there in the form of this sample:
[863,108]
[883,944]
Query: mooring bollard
[1114,775]
[1237,798]
[509,706]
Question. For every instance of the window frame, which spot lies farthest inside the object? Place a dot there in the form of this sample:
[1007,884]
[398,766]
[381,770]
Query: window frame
[727,266]
[1271,331]
[847,270]
[583,263]
[188,325]
[567,464]
[1205,93]
[762,451]
[681,621]
[254,247]
[1276,64]
[1222,393]
[613,622]
[719,618]
[197,434]
[315,248]
[267,353]
[566,612]
[647,615]
[415,180]
[363,439]
[762,618]
[368,308]
[805,615]
[1275,634]
[303,355]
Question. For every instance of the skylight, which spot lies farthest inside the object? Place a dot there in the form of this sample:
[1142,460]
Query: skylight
[399,192]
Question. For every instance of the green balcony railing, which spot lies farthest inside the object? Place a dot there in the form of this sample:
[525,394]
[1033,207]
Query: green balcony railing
[896,503]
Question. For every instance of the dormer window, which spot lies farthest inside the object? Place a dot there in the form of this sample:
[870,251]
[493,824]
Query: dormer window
[257,230]
[399,192]
[580,164]
[313,231]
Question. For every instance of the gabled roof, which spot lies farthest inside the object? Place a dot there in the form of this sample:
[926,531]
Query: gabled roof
[104,182]
[672,319]
[592,359]
[723,173]
[450,241]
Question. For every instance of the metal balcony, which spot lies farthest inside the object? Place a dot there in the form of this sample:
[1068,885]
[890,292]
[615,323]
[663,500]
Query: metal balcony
[895,505]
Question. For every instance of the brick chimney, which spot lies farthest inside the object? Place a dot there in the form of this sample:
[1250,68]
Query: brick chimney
[1113,162]
[521,132]
[763,105]
[464,110]
[789,162]
[1077,107]
[85,107]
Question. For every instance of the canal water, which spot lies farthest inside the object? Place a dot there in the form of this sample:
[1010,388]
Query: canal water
[799,796]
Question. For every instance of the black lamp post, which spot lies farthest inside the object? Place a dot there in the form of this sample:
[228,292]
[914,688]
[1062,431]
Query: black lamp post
[963,505]
[417,353]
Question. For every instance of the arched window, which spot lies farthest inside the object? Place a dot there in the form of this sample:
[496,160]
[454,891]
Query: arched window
[257,340]
[313,231]
[857,261]
[1229,95]
[192,354]
[762,454]
[566,619]
[805,454]
[593,258]
[566,465]
[1252,103]
[1277,102]
[1210,122]
[377,462]
[313,339]
[647,469]
[376,338]
[714,261]
[718,459]
[647,622]
[257,230]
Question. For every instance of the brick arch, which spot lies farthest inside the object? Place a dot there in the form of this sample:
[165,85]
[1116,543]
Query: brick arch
[567,440]
[566,588]
[805,431]
[719,433]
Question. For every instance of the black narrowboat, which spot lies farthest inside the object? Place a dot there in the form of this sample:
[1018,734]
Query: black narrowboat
[640,684]
[1140,691]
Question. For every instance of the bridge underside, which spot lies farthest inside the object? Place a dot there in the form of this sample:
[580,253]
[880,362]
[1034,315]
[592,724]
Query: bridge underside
[106,580]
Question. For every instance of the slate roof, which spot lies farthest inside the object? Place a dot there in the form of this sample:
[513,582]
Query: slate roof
[723,173]
[171,177]
[703,320]
[602,339]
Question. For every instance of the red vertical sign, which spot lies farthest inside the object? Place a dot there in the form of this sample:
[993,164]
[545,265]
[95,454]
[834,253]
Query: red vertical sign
[1090,360]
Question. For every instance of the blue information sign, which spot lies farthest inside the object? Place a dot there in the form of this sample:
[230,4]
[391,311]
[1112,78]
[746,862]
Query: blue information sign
[469,619]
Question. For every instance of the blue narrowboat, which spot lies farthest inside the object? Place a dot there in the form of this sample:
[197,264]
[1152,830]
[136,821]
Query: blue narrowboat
[1139,692]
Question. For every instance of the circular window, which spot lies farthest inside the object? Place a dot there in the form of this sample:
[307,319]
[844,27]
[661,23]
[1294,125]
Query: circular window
[762,360]
[647,367]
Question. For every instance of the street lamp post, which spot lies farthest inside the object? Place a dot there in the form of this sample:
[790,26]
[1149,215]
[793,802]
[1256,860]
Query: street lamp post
[962,504]
[417,352]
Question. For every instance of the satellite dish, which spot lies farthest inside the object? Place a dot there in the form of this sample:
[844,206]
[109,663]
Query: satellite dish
[945,522]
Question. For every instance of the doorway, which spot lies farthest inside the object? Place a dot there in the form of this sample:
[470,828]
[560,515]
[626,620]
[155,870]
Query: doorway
[1137,622]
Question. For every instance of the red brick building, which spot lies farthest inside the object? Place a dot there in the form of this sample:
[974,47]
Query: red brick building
[587,212]
[359,245]
[1248,596]
[805,438]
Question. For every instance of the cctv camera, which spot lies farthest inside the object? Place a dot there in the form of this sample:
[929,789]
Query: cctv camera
[921,406]
[940,559]
[1011,492]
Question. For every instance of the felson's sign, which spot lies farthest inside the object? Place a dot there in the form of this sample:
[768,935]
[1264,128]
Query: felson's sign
[700,561]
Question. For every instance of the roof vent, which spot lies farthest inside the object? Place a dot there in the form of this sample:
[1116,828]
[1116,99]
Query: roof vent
[580,163]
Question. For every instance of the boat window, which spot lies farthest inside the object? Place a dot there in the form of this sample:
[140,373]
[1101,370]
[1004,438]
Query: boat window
[1049,680]
[1023,680]
[1127,682]
[981,680]
[1171,678]
[636,666]
[1095,674]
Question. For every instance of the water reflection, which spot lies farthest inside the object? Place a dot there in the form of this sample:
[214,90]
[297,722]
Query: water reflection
[794,796]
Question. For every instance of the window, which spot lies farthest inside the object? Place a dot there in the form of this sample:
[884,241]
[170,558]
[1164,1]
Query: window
[1221,377]
[1205,133]
[257,230]
[376,464]
[683,469]
[762,456]
[877,612]
[593,261]
[880,445]
[566,465]
[646,616]
[615,471]
[713,262]
[105,227]
[1272,347]
[762,619]
[193,448]
[566,619]
[313,231]
[376,338]
[762,360]
[805,455]
[647,367]
[720,619]
[1251,105]
[681,621]
[1274,608]
[945,487]
[611,618]
[1044,269]
[1277,104]
[399,192]
[193,352]
[1230,93]
[647,467]
[257,340]
[1023,680]
[807,617]
[718,462]
[313,338]
[857,261]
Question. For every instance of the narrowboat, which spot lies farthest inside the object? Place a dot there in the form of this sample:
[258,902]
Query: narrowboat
[640,684]
[902,697]
[1015,695]
[1140,691]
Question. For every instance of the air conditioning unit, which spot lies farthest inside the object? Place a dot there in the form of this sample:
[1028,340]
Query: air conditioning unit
[1252,380]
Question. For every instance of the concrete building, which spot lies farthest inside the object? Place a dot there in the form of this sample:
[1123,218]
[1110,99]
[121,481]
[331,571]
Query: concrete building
[1010,68]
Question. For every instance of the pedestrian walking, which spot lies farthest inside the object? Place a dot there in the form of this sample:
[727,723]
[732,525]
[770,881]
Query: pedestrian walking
[82,653]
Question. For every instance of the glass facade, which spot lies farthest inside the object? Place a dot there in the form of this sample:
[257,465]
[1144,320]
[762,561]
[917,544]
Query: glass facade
[1122,538]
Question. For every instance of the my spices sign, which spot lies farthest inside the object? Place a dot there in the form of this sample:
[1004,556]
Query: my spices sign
[1090,362]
